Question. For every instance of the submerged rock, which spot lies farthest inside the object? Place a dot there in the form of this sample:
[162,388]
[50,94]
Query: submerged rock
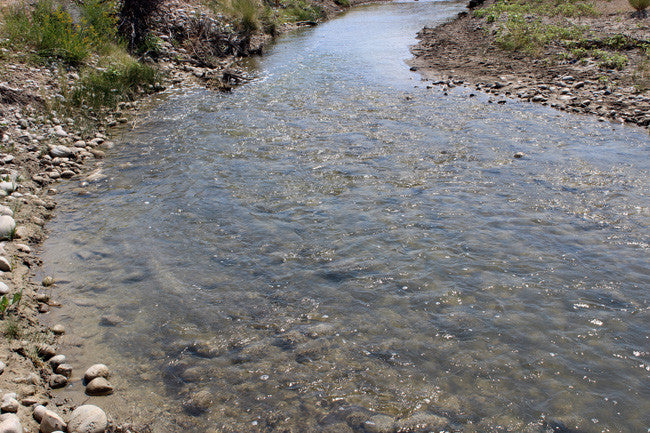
[87,419]
[95,371]
[99,386]
[379,424]
[421,422]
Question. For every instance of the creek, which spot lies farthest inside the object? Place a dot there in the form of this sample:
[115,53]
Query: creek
[334,239]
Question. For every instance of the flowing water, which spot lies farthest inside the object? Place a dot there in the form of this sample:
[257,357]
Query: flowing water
[334,240]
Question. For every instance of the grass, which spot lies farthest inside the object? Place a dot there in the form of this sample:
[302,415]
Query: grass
[641,76]
[119,78]
[640,5]
[11,329]
[54,34]
[294,11]
[537,27]
[249,16]
[90,43]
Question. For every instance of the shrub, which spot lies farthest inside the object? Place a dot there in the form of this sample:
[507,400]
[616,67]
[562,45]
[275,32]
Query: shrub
[639,5]
[300,11]
[249,15]
[120,80]
[52,31]
[133,21]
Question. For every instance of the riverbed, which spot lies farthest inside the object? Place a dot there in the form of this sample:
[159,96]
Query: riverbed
[338,239]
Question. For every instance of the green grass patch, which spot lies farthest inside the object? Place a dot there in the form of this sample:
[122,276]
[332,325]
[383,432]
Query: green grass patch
[248,16]
[294,11]
[122,78]
[52,32]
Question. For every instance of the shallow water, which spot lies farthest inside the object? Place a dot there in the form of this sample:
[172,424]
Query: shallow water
[334,239]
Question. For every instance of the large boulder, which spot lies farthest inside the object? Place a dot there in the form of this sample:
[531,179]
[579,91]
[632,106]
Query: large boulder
[87,419]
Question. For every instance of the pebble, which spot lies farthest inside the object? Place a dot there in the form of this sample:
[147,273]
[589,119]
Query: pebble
[58,381]
[10,423]
[519,155]
[38,412]
[60,151]
[87,419]
[51,422]
[379,424]
[64,369]
[48,281]
[110,320]
[95,371]
[9,403]
[4,289]
[7,227]
[99,386]
[46,351]
[7,187]
[5,266]
[422,421]
[23,248]
[2,367]
[58,329]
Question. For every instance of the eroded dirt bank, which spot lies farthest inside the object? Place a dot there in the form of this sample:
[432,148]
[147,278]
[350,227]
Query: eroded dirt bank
[570,76]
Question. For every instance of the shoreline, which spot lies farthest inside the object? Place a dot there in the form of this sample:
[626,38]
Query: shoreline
[464,51]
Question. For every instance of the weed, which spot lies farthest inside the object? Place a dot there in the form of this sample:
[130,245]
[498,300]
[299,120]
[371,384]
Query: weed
[53,33]
[11,329]
[641,76]
[5,303]
[121,80]
[611,60]
[300,11]
[249,15]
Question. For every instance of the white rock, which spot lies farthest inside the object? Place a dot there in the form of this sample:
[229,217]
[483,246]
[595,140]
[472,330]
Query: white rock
[10,423]
[5,266]
[7,187]
[97,370]
[2,367]
[6,210]
[57,360]
[4,289]
[60,151]
[39,411]
[59,131]
[9,403]
[87,419]
[51,422]
[7,227]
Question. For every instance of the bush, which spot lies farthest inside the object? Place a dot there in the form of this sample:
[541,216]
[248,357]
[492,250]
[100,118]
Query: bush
[640,5]
[121,80]
[301,11]
[249,15]
[52,31]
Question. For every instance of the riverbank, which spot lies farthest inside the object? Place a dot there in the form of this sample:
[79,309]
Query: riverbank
[45,140]
[599,64]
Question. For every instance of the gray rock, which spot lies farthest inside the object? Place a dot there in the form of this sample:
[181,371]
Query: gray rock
[198,403]
[51,422]
[22,247]
[57,360]
[38,412]
[421,422]
[7,187]
[7,227]
[97,370]
[87,419]
[46,351]
[10,423]
[58,329]
[379,424]
[64,369]
[58,381]
[9,403]
[59,131]
[5,266]
[60,151]
[99,386]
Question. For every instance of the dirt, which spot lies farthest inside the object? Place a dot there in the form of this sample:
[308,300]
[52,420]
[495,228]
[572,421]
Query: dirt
[464,51]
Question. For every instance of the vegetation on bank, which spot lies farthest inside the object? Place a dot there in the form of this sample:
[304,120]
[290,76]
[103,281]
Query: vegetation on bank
[539,27]
[81,37]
